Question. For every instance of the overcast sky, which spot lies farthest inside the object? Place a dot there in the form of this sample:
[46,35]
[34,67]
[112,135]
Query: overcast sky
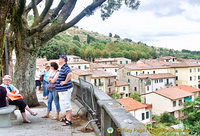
[165,23]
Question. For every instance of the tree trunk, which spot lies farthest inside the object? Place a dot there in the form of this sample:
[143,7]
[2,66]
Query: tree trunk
[24,77]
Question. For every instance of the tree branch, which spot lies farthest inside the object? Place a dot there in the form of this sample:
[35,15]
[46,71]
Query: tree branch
[39,27]
[30,6]
[56,28]
[45,11]
[66,11]
[82,14]
[35,11]
[58,8]
[48,18]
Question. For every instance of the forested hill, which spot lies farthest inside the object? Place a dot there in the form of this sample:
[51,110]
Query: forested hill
[89,45]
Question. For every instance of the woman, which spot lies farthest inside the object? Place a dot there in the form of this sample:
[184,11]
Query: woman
[20,102]
[3,94]
[37,79]
[52,92]
[46,74]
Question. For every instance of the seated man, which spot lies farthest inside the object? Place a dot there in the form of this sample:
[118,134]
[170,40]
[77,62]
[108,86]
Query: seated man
[3,94]
[19,102]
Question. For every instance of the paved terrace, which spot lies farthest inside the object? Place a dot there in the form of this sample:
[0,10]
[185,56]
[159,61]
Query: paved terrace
[109,113]
[45,127]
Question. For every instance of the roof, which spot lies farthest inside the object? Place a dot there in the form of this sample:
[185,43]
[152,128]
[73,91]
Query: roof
[130,104]
[81,61]
[188,88]
[81,72]
[161,63]
[109,59]
[121,83]
[157,76]
[105,59]
[101,73]
[100,65]
[173,93]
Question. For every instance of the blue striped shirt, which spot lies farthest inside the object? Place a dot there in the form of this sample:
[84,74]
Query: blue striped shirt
[64,71]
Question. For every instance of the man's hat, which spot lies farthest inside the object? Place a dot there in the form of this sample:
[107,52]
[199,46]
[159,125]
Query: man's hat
[64,57]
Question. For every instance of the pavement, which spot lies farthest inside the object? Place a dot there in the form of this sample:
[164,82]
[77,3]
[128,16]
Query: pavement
[46,127]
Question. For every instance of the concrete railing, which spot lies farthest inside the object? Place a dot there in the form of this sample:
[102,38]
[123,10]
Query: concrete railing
[111,114]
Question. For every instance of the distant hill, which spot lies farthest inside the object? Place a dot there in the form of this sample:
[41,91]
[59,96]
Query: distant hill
[89,45]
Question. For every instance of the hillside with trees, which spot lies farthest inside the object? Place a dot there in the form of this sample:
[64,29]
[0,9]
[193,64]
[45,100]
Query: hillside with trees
[90,45]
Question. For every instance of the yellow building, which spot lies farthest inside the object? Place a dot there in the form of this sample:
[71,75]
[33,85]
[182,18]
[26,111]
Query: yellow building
[122,88]
[103,80]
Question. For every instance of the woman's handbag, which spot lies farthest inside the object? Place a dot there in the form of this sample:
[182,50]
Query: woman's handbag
[51,87]
[13,98]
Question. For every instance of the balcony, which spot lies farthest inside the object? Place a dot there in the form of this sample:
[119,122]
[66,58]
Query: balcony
[111,114]
[110,84]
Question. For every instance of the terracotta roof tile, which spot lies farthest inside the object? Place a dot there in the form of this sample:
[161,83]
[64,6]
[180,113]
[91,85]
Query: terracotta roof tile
[188,88]
[101,73]
[121,83]
[81,72]
[157,76]
[173,93]
[130,104]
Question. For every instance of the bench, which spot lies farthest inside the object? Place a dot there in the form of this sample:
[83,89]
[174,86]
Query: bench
[6,114]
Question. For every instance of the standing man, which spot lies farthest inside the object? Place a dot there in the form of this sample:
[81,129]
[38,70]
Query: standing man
[64,87]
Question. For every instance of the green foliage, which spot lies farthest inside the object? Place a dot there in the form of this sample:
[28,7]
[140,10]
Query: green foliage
[76,37]
[94,47]
[167,118]
[136,96]
[116,36]
[116,95]
[110,34]
[90,39]
[192,110]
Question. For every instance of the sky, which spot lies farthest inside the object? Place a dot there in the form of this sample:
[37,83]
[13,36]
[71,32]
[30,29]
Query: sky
[166,23]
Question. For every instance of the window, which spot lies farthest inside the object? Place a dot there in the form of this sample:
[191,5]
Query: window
[135,88]
[120,62]
[176,71]
[190,78]
[198,69]
[198,77]
[154,72]
[128,80]
[176,77]
[167,81]
[143,116]
[174,103]
[95,82]
[142,72]
[99,82]
[180,102]
[115,70]
[147,72]
[124,88]
[128,73]
[104,69]
[111,62]
[147,88]
[79,67]
[136,73]
[126,95]
[190,70]
[147,115]
[85,67]
[126,62]
[199,86]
